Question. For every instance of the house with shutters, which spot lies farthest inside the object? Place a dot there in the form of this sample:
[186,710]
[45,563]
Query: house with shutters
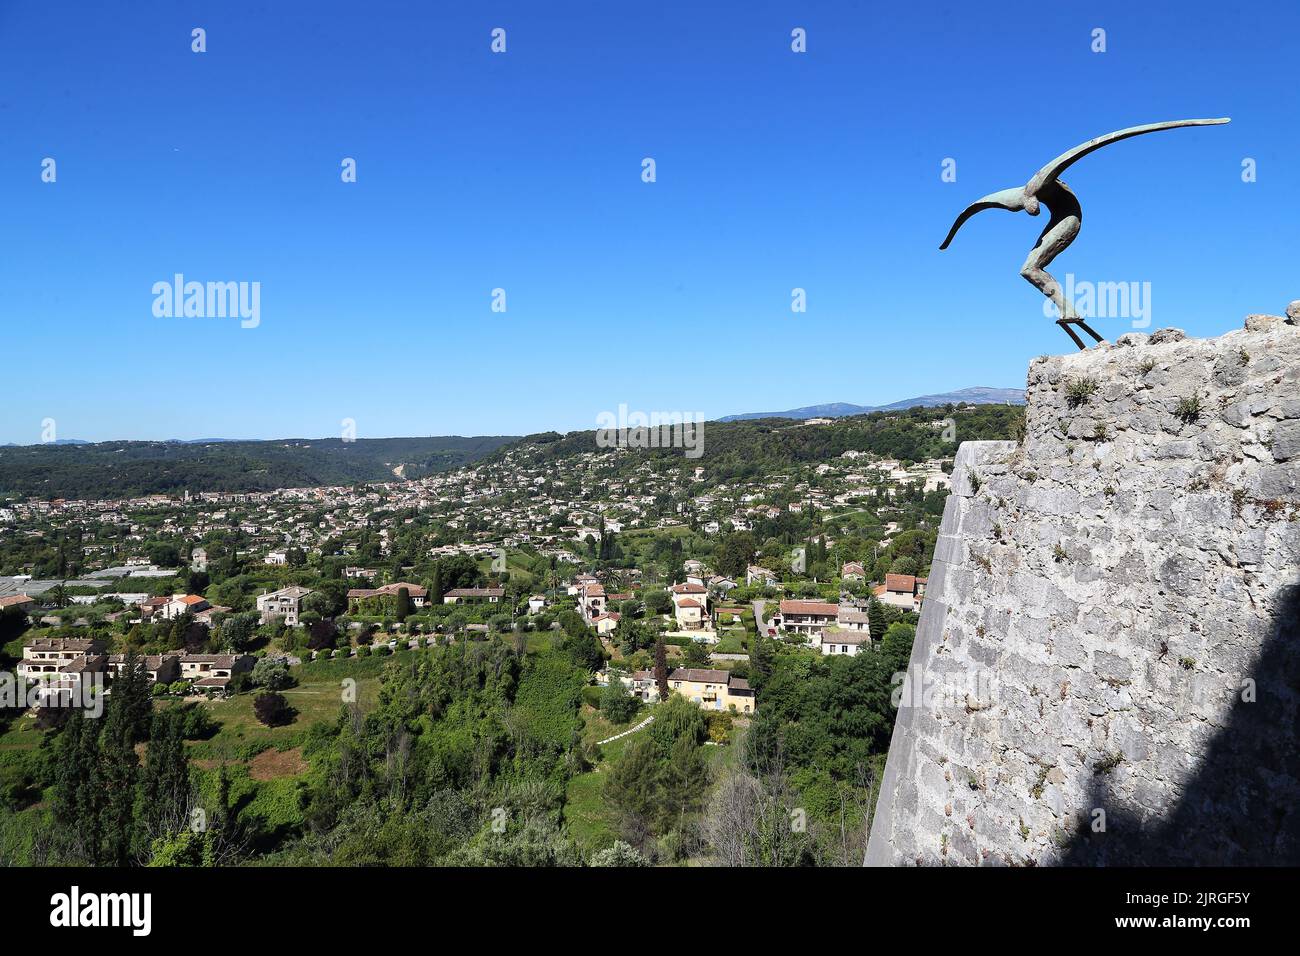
[712,689]
[807,618]
[904,591]
[690,606]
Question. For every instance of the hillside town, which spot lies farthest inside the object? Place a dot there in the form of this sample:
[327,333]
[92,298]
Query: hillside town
[643,583]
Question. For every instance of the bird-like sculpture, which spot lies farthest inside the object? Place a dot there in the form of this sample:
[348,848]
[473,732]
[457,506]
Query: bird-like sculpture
[1046,188]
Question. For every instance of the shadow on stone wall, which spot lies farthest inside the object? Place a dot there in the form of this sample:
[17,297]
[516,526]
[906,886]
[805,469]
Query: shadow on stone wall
[1242,805]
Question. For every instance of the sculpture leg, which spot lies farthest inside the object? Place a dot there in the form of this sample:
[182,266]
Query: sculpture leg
[1053,241]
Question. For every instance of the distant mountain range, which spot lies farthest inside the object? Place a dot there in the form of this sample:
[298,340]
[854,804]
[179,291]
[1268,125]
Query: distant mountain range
[976,395]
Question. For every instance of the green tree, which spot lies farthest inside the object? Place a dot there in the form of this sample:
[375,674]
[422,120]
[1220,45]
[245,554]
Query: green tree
[876,621]
[697,655]
[617,703]
[133,697]
[675,719]
[120,771]
[239,631]
[165,780]
[682,781]
[631,790]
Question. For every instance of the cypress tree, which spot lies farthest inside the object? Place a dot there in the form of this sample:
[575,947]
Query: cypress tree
[876,621]
[661,668]
[165,780]
[119,773]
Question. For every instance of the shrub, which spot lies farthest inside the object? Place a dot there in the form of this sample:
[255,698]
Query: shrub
[195,722]
[617,704]
[272,709]
[1079,390]
[620,854]
[1189,409]
[271,674]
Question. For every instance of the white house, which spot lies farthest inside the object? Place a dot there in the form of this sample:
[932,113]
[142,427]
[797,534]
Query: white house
[835,641]
[285,603]
[690,606]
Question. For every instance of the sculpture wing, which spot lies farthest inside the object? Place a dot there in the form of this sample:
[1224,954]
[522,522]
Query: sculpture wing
[1012,200]
[1068,158]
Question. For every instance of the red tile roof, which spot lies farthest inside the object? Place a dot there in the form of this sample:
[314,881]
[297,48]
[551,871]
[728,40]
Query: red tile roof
[900,583]
[810,607]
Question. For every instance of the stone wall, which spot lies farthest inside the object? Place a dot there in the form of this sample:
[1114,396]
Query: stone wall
[1108,660]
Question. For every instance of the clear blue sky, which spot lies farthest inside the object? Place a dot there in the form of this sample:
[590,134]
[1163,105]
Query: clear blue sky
[523,171]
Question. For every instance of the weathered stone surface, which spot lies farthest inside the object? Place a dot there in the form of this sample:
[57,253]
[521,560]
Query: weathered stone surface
[1262,323]
[1104,597]
[1286,441]
[1293,312]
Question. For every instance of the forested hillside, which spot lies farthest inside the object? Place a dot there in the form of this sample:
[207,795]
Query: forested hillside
[743,449]
[129,468]
[731,450]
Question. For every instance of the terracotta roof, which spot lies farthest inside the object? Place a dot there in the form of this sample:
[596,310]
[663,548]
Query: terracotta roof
[16,599]
[689,589]
[900,583]
[689,602]
[810,607]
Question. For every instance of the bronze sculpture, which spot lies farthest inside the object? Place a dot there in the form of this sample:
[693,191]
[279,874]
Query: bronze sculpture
[1066,215]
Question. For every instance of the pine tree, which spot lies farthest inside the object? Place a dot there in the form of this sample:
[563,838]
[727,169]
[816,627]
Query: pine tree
[132,695]
[632,789]
[682,780]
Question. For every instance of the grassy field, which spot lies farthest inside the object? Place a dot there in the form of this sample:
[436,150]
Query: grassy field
[242,736]
[589,823]
[21,735]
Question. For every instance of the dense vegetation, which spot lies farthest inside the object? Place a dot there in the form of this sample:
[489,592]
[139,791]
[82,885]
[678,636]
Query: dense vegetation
[131,468]
[745,449]
[734,450]
[477,752]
